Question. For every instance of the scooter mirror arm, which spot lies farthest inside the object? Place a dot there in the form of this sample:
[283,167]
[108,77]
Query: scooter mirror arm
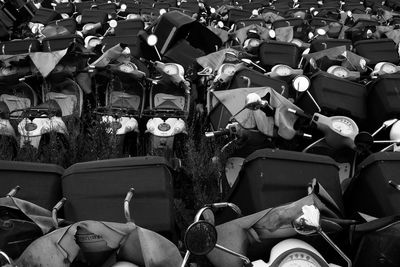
[127,200]
[246,260]
[234,207]
[13,191]
[56,208]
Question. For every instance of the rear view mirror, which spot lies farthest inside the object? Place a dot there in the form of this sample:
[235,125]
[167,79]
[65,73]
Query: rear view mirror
[301,83]
[152,40]
[200,238]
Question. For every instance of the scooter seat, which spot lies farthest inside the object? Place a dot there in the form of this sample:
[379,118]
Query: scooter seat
[4,111]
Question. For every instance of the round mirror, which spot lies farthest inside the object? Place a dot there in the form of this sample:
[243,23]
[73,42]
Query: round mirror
[113,23]
[64,15]
[363,141]
[309,222]
[152,40]
[369,33]
[200,238]
[310,35]
[34,29]
[212,10]
[349,14]
[301,83]
[363,63]
[272,34]
[254,12]
[321,32]
[162,11]
[87,27]
[306,51]
[220,24]
[126,51]
[313,63]
[253,101]
[395,131]
[133,16]
[123,7]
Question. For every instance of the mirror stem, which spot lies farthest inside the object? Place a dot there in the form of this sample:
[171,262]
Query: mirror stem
[186,258]
[338,250]
[244,258]
[158,53]
[377,131]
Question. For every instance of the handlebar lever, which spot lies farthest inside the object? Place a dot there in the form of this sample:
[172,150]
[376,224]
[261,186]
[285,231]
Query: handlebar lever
[13,191]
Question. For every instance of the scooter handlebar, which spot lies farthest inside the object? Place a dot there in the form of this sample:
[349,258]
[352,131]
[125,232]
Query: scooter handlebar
[218,133]
[14,191]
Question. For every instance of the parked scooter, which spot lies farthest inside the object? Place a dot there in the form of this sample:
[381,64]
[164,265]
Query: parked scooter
[122,103]
[22,223]
[102,244]
[226,244]
[168,107]
[14,96]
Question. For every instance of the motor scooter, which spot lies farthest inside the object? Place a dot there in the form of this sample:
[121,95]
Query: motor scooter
[102,244]
[227,243]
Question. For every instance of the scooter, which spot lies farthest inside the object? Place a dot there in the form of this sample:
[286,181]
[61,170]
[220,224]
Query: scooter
[254,125]
[102,244]
[14,96]
[226,244]
[169,104]
[23,222]
[124,99]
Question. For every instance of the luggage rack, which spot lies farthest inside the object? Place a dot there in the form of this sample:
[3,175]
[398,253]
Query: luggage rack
[165,113]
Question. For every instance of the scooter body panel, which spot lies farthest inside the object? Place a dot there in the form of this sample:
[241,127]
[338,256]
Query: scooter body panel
[33,130]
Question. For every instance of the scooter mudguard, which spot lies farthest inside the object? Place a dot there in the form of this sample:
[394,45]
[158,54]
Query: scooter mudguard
[122,125]
[232,168]
[167,128]
[32,130]
[6,128]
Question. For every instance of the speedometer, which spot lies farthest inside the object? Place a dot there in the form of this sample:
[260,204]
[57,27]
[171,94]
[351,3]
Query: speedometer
[299,259]
[127,67]
[94,42]
[171,69]
[5,71]
[343,126]
[388,68]
[297,42]
[282,70]
[338,71]
[228,69]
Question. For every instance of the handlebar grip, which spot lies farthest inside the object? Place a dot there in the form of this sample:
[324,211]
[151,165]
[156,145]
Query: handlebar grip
[129,195]
[299,113]
[14,191]
[217,133]
[59,204]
